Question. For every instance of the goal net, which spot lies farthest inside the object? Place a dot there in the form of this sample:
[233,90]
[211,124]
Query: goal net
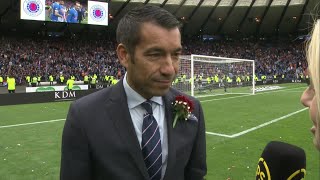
[210,76]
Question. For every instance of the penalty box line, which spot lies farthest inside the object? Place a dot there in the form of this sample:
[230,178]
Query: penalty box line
[257,127]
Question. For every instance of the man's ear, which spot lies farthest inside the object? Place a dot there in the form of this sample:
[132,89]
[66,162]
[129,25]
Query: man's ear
[123,55]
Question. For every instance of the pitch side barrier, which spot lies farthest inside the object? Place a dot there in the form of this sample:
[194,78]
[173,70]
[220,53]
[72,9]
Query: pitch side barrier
[55,96]
[42,97]
[212,86]
[266,82]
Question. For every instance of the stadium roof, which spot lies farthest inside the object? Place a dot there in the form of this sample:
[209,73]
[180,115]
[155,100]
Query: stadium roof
[198,16]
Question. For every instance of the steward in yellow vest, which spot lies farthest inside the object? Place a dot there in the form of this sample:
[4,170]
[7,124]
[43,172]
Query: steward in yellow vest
[86,79]
[11,84]
[28,80]
[51,80]
[70,83]
[93,82]
[34,81]
[61,79]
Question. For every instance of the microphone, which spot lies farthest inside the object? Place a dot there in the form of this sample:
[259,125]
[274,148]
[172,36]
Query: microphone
[281,161]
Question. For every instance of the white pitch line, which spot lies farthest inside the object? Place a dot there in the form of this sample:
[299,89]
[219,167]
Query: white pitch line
[267,123]
[225,98]
[256,127]
[25,124]
[218,134]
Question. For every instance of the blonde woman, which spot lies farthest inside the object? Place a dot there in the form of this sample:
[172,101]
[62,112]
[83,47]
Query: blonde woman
[311,96]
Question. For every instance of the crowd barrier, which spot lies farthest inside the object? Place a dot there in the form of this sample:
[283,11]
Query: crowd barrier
[54,96]
[42,97]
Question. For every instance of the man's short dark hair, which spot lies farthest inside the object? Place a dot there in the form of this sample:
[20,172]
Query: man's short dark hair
[128,30]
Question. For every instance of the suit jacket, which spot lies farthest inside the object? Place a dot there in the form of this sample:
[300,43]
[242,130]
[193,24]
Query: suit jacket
[99,140]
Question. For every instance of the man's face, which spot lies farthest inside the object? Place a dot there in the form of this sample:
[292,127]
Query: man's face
[156,60]
[77,5]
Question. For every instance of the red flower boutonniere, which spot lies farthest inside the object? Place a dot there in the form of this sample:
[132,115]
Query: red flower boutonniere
[182,108]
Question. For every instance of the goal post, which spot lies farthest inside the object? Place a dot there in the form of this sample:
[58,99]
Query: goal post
[201,75]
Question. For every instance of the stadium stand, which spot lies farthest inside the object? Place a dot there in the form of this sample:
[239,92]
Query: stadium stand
[76,57]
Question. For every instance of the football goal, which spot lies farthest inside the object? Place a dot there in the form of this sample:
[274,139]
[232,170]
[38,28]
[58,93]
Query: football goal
[201,75]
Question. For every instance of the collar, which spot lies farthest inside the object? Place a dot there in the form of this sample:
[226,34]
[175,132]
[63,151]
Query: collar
[134,98]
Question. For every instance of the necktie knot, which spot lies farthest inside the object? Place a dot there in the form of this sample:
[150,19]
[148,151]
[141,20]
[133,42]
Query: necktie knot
[147,105]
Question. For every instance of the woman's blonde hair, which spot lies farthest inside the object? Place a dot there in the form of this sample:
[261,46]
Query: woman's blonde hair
[313,58]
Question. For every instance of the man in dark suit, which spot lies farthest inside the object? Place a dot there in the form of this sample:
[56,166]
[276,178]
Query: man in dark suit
[125,132]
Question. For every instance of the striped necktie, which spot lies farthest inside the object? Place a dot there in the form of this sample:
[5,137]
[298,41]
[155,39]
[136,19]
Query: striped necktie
[151,143]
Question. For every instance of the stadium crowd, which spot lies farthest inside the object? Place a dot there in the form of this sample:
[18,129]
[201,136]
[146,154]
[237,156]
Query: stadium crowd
[271,58]
[55,57]
[29,57]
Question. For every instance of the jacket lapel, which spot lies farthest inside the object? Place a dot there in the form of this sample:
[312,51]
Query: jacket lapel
[123,123]
[168,99]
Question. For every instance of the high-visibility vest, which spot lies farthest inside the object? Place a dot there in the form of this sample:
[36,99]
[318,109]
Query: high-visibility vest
[238,79]
[51,78]
[216,78]
[209,80]
[11,83]
[86,78]
[34,80]
[93,80]
[70,83]
[28,78]
[61,79]
[114,81]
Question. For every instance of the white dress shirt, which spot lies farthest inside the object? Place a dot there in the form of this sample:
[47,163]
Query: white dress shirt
[137,111]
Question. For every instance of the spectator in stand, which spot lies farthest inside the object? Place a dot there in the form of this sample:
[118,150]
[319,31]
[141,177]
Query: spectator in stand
[29,56]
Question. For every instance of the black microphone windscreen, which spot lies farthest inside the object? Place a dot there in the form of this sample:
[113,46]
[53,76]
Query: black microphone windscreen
[281,161]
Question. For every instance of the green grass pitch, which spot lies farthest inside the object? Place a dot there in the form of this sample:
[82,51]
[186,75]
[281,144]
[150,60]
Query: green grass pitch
[32,151]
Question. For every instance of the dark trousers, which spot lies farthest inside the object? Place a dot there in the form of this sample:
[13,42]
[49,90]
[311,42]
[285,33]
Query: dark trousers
[11,91]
